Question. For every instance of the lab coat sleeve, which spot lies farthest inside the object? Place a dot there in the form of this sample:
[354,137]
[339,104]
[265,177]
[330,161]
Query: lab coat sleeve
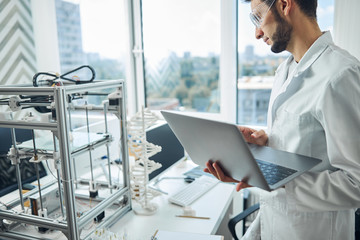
[338,112]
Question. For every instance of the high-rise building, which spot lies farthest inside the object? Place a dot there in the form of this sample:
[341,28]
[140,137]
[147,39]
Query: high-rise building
[249,53]
[69,35]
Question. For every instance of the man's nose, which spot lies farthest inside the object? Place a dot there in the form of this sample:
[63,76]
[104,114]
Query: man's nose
[258,33]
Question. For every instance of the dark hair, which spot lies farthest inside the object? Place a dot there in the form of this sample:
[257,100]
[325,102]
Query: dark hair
[308,7]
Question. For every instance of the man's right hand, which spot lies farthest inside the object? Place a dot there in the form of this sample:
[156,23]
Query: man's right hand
[251,136]
[215,169]
[258,137]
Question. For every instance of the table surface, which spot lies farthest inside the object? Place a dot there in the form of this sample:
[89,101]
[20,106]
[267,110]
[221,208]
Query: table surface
[212,204]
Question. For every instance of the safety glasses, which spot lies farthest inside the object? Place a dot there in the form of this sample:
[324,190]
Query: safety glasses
[258,14]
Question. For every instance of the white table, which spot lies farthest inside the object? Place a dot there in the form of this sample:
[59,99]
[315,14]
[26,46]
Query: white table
[213,204]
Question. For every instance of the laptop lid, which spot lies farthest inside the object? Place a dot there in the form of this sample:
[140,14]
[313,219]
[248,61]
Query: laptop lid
[206,140]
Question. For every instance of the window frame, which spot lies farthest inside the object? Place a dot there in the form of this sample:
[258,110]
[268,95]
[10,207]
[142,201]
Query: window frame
[228,61]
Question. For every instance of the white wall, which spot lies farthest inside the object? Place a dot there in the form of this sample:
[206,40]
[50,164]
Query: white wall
[346,25]
[45,35]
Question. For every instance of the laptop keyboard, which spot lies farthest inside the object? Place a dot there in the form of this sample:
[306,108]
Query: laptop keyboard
[274,173]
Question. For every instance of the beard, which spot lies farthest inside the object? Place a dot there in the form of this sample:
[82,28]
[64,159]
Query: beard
[282,35]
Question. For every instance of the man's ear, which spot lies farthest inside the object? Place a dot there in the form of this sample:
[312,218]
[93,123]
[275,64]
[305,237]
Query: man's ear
[286,6]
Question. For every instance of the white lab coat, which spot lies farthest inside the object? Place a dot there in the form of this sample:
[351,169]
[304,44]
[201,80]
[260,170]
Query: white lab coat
[315,112]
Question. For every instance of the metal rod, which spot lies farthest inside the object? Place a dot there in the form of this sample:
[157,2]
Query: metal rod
[19,236]
[33,220]
[37,170]
[38,180]
[70,123]
[96,86]
[35,104]
[107,146]
[88,131]
[29,125]
[123,138]
[17,168]
[18,178]
[60,194]
[26,91]
[58,178]
[95,108]
[75,174]
[84,181]
[93,145]
[90,215]
[65,154]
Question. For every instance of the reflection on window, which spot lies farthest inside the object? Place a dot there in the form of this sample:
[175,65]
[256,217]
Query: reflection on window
[181,50]
[257,65]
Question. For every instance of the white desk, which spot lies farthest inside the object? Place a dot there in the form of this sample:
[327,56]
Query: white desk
[213,204]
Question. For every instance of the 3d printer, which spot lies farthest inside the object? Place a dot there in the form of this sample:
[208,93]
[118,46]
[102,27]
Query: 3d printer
[71,205]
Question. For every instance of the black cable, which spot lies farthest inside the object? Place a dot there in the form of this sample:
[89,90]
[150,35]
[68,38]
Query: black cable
[63,76]
[82,81]
[35,78]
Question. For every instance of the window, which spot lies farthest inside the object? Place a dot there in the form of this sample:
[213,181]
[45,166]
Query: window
[92,33]
[257,65]
[181,41]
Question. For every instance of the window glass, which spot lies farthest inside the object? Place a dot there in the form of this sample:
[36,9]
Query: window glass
[181,41]
[257,65]
[92,33]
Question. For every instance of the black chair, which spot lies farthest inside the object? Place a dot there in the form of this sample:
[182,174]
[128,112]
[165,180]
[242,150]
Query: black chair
[242,217]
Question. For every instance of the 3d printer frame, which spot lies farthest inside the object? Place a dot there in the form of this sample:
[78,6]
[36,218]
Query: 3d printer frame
[58,102]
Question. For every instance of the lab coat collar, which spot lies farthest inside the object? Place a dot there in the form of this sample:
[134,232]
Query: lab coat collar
[313,53]
[308,59]
[284,89]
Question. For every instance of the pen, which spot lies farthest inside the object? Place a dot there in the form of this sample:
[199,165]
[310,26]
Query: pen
[184,216]
[153,236]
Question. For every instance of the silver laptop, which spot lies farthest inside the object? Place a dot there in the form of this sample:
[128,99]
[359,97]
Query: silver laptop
[259,166]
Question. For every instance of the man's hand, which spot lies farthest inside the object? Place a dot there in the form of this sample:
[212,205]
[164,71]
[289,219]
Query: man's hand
[253,136]
[215,169]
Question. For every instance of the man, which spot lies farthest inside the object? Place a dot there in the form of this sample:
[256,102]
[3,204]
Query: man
[314,110]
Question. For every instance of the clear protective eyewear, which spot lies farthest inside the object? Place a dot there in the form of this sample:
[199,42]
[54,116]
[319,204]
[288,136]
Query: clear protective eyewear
[258,14]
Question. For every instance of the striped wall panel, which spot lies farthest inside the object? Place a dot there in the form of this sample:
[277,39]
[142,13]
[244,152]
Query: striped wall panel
[17,46]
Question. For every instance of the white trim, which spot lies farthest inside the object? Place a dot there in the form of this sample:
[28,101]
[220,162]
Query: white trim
[135,56]
[228,60]
[138,54]
[45,35]
[130,79]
